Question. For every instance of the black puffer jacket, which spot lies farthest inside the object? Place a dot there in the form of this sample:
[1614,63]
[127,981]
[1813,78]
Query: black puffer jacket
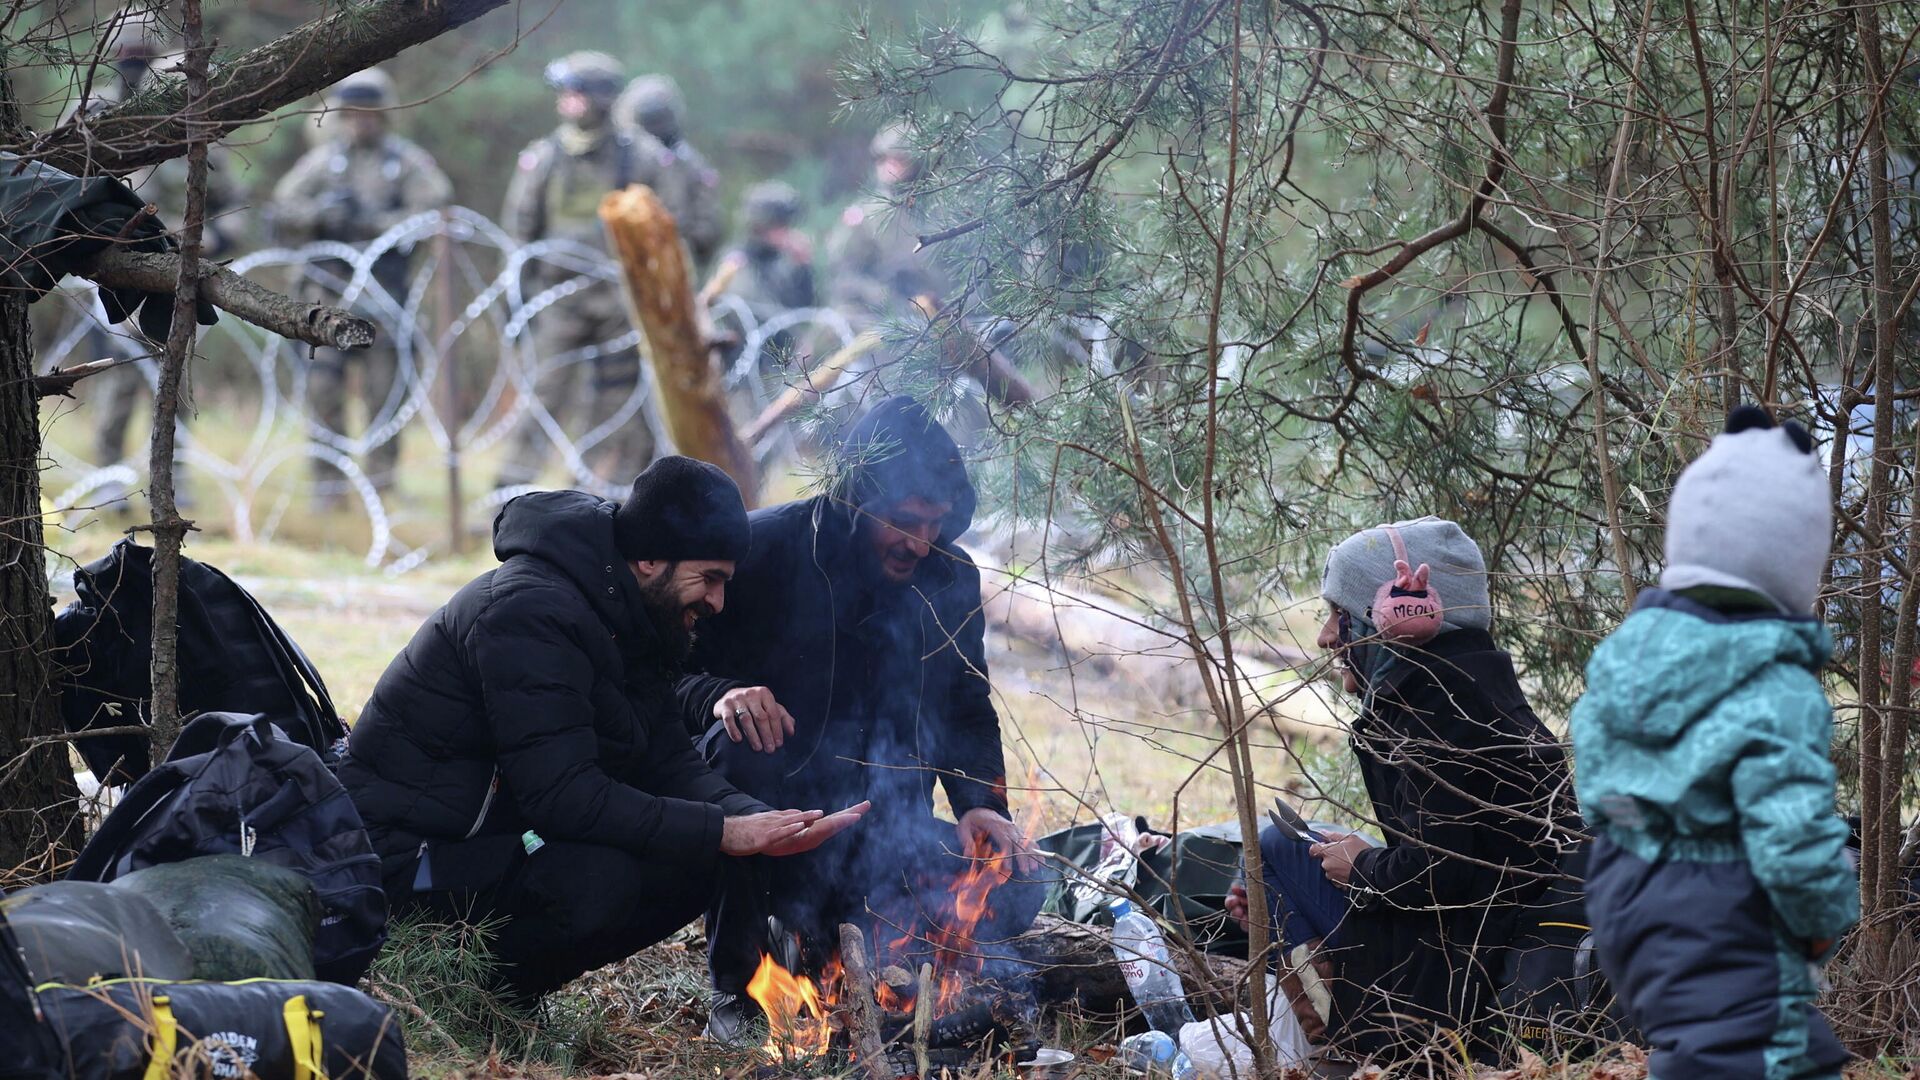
[538,698]
[1472,792]
[887,685]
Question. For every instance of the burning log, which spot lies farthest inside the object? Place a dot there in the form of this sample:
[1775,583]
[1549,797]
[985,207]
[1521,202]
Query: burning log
[863,1013]
[1074,963]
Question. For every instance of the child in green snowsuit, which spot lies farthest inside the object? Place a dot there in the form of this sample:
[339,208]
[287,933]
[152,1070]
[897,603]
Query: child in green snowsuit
[1719,875]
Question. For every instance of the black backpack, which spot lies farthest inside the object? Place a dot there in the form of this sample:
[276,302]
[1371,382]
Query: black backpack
[1552,995]
[235,785]
[233,658]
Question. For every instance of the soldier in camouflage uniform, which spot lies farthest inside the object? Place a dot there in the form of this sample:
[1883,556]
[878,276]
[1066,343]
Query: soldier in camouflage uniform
[556,193]
[878,269]
[352,187]
[141,43]
[773,265]
[775,259]
[688,187]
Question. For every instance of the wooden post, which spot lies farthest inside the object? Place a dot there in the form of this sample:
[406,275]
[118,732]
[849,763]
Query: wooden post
[450,400]
[642,235]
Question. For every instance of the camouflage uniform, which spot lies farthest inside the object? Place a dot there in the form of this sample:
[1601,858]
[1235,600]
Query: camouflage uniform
[688,185]
[142,42]
[773,267]
[878,268]
[352,192]
[556,193]
[772,277]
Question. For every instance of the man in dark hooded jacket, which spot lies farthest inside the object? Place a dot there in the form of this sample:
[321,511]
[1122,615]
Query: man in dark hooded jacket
[859,622]
[526,757]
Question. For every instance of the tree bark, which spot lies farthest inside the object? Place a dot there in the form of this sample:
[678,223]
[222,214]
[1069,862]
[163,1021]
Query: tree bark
[642,235]
[36,819]
[152,126]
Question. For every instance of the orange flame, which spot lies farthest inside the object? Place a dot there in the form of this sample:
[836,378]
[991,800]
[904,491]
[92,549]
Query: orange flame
[956,959]
[796,1017]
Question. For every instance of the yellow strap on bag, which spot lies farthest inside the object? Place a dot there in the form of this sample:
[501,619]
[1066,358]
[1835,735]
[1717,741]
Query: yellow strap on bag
[303,1034]
[166,1039]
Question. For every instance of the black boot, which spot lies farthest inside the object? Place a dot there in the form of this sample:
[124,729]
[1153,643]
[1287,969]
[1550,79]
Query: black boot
[736,1020]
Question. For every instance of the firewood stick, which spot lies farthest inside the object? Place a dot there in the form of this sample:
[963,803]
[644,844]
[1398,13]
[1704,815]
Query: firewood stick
[642,235]
[819,380]
[923,1018]
[863,1022]
[723,276]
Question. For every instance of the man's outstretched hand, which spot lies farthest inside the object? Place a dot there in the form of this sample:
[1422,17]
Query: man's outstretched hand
[784,832]
[981,823]
[751,713]
[821,831]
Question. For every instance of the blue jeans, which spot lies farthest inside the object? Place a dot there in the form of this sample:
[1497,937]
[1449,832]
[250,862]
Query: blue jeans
[1304,904]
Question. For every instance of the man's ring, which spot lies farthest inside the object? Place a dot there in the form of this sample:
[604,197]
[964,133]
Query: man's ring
[739,714]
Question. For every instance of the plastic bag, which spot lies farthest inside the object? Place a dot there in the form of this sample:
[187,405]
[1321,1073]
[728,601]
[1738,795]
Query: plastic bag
[1218,1052]
[240,918]
[74,931]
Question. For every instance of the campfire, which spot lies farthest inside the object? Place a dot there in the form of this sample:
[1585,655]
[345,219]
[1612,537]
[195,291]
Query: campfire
[913,1018]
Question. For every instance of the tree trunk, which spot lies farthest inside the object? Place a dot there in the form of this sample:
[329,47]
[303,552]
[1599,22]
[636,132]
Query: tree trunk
[35,819]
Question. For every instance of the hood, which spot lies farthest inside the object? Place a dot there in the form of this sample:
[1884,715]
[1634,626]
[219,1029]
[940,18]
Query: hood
[897,450]
[573,531]
[1673,660]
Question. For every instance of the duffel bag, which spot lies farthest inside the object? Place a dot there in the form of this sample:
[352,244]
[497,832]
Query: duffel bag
[257,1029]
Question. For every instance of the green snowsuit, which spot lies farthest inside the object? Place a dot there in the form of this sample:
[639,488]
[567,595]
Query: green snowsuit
[1700,760]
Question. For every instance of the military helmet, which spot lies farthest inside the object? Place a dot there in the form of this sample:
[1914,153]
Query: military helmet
[594,74]
[652,102]
[771,203]
[369,89]
[141,34]
[894,139]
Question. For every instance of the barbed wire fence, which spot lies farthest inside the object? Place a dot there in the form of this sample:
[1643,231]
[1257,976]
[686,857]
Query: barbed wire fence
[469,377]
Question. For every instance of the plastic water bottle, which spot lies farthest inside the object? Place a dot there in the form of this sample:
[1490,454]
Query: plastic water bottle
[1142,954]
[1156,1054]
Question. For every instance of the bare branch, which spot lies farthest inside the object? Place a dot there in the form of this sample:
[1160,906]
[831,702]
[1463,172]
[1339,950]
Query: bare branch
[296,320]
[152,126]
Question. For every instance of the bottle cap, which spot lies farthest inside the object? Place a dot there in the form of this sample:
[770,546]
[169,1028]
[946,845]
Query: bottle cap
[1121,907]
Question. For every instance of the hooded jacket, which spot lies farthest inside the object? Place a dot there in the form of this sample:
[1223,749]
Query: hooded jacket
[1704,736]
[1469,788]
[539,698]
[887,684]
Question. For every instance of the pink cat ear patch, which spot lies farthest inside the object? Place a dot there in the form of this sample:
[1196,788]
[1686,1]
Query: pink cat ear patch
[1408,609]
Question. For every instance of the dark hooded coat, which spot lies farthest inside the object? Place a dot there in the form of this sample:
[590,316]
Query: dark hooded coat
[1470,789]
[539,698]
[887,684]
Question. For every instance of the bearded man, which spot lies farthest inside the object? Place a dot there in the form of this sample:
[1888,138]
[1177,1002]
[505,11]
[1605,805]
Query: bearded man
[526,758]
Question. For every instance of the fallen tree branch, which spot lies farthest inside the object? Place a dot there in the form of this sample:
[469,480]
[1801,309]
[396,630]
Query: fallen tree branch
[152,126]
[59,382]
[296,320]
[819,380]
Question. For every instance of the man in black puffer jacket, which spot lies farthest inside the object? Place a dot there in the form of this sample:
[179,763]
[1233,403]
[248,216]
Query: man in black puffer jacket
[857,640]
[526,757]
